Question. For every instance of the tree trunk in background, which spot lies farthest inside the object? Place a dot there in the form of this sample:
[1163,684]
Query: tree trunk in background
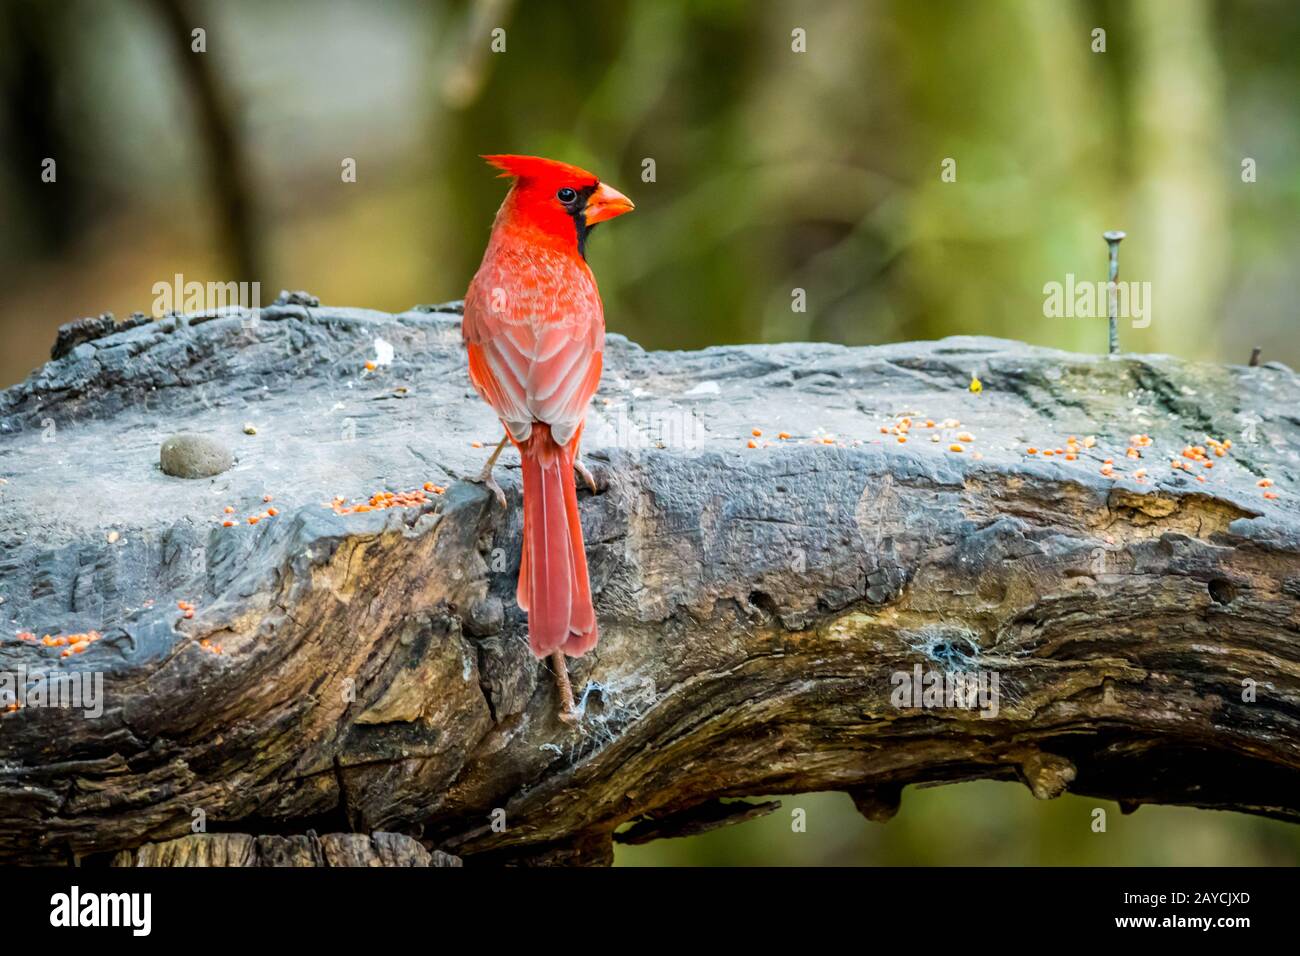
[1184,170]
[234,201]
[33,49]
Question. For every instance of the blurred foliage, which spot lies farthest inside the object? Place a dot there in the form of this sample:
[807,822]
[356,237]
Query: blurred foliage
[981,824]
[774,170]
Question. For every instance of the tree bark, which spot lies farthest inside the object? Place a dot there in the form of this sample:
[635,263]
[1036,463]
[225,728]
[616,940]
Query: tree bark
[763,599]
[332,849]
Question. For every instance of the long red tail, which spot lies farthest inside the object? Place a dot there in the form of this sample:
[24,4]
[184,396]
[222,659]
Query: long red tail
[553,585]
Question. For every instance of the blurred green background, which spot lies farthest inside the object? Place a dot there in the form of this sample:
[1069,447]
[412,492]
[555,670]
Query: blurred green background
[772,170]
[984,823]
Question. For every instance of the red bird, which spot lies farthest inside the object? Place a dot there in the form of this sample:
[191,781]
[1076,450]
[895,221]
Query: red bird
[535,331]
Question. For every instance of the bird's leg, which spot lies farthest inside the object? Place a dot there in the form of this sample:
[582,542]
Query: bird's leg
[492,459]
[568,711]
[485,477]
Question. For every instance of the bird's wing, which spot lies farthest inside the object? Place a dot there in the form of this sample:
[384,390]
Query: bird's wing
[535,331]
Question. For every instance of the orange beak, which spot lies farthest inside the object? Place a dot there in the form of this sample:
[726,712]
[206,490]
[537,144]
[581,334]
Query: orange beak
[606,203]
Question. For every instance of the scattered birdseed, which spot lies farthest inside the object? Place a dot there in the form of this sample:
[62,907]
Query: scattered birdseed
[387,499]
[77,643]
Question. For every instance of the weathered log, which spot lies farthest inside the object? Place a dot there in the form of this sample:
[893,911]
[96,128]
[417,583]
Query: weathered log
[760,606]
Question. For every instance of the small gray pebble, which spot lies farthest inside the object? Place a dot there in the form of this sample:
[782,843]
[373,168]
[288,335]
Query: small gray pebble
[194,456]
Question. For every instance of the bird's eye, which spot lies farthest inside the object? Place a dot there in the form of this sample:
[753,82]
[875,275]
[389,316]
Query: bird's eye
[566,195]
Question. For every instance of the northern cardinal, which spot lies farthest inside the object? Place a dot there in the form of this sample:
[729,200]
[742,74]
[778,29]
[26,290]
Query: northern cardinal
[534,328]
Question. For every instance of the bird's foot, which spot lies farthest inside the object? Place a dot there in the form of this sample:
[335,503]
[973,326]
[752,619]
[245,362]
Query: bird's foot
[586,475]
[490,483]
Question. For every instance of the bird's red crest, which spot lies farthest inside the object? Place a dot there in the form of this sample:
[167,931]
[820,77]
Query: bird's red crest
[530,168]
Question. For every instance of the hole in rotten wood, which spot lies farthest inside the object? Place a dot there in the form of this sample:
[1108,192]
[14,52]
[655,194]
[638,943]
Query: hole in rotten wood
[1221,591]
